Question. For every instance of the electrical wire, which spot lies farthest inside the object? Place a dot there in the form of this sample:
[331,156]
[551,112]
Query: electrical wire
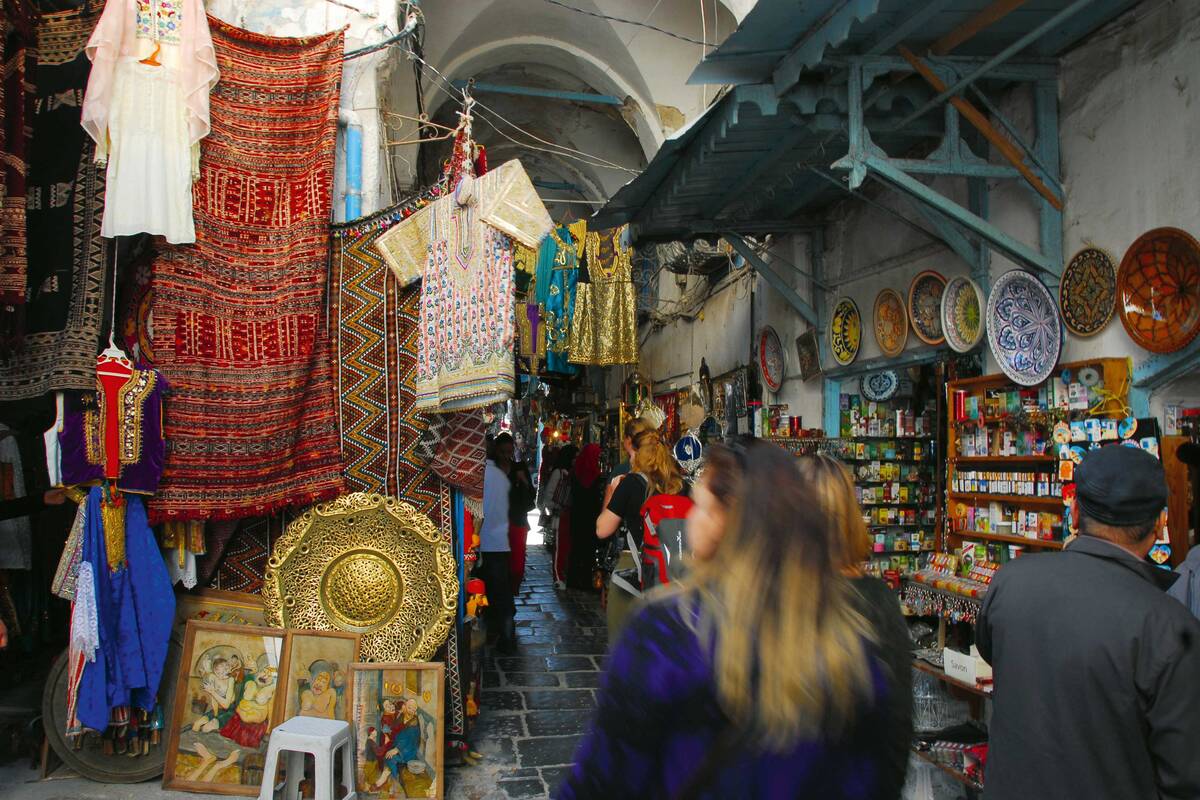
[442,83]
[644,21]
[623,21]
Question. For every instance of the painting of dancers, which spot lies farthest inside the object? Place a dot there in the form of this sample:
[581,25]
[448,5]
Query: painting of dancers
[224,708]
[397,716]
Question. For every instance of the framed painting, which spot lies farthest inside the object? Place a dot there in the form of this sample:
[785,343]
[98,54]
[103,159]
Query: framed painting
[317,669]
[224,708]
[808,355]
[397,715]
[215,605]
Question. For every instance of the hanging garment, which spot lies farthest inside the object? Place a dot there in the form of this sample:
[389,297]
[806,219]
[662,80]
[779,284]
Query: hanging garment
[67,574]
[181,543]
[604,325]
[557,277]
[135,609]
[464,255]
[240,319]
[115,434]
[18,24]
[16,543]
[147,120]
[65,278]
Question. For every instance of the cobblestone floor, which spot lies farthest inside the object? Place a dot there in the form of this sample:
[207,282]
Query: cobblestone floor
[537,703]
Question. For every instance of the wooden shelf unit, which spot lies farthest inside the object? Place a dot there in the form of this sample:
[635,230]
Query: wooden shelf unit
[961,777]
[930,669]
[1116,374]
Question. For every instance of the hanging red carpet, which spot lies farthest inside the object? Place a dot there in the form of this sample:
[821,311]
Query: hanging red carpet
[239,318]
[375,367]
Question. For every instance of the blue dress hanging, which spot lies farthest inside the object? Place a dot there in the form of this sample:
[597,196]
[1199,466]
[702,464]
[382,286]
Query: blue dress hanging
[135,609]
[557,276]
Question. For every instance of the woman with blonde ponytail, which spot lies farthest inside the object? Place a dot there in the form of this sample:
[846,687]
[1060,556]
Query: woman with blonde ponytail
[757,677]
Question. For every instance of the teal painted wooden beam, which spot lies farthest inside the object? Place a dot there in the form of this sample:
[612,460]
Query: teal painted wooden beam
[533,91]
[830,31]
[997,238]
[1157,371]
[908,358]
[772,277]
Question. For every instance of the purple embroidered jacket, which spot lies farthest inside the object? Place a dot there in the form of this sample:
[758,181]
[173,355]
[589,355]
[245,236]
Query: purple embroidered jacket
[657,722]
[139,436]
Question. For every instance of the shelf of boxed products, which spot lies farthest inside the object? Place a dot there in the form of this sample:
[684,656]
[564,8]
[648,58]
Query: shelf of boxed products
[959,776]
[1025,459]
[1054,503]
[940,674]
[1027,541]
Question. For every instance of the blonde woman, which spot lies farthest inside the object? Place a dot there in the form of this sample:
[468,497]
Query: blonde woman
[834,487]
[652,471]
[758,677]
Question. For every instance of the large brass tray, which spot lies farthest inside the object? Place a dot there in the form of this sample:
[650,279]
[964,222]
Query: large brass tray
[367,564]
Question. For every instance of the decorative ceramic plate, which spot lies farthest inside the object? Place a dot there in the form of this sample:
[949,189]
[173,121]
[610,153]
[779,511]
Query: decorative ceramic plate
[1023,328]
[368,564]
[880,386]
[962,314]
[1158,290]
[925,306]
[891,322]
[845,331]
[1087,293]
[770,358]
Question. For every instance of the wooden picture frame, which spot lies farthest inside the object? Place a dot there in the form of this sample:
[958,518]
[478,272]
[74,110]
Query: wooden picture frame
[378,767]
[219,606]
[307,655]
[233,670]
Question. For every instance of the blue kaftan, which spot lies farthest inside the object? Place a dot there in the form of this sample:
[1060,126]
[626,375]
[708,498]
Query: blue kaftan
[557,275]
[135,609]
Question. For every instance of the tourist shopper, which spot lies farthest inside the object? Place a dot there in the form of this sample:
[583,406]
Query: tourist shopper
[494,552]
[559,506]
[840,510]
[755,677]
[521,496]
[1095,666]
[652,471]
[587,493]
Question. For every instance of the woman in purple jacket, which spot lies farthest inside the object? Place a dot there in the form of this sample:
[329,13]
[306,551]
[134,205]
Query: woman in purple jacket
[759,676]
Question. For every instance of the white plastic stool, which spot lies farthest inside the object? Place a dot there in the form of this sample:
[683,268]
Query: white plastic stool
[321,738]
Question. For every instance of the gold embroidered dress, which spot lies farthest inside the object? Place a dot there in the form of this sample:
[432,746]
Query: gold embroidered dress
[604,325]
[462,249]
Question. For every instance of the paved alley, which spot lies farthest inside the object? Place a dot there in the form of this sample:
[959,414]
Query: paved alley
[537,703]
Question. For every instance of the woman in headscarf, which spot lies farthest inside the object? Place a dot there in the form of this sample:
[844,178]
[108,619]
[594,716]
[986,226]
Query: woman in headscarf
[587,497]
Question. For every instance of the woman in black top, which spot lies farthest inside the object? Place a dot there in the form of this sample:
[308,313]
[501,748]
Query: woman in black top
[653,471]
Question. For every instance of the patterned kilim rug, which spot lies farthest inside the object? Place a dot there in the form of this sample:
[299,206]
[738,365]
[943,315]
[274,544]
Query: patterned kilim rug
[375,363]
[239,318]
[63,203]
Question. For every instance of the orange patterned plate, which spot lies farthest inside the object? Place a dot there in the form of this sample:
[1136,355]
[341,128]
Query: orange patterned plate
[891,322]
[1158,290]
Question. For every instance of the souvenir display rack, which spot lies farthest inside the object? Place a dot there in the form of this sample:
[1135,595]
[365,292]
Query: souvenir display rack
[1005,481]
[892,454]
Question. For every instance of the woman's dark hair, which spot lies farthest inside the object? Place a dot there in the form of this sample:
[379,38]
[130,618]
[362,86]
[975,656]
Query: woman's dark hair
[498,441]
[566,457]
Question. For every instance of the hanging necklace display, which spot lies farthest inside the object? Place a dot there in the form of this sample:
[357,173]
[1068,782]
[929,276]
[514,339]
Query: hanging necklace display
[1087,293]
[845,331]
[962,314]
[1158,290]
[891,322]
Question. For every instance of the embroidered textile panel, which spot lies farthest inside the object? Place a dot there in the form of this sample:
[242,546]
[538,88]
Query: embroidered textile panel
[17,53]
[239,326]
[63,205]
[375,348]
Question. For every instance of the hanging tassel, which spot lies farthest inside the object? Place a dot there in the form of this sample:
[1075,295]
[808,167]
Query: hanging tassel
[112,512]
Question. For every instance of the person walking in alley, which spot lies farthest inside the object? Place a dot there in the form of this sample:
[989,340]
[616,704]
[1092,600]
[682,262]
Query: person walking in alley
[757,675]
[1096,669]
[494,550]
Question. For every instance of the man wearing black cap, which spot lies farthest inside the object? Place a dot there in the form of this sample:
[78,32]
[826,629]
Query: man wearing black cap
[1097,670]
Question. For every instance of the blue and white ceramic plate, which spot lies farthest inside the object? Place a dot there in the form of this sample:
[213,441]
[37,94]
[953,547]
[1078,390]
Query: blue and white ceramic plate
[880,386]
[1024,329]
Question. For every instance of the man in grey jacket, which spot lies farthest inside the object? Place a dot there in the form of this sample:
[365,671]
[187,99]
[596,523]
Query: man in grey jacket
[1097,693]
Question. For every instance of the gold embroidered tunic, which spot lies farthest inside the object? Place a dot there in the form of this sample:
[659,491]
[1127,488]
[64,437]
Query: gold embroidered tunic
[604,325]
[464,255]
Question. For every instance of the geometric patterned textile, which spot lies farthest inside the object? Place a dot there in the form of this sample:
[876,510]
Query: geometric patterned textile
[239,318]
[64,197]
[17,52]
[461,453]
[245,561]
[375,345]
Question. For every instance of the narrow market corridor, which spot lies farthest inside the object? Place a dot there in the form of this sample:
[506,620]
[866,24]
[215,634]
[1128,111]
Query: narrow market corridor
[538,702]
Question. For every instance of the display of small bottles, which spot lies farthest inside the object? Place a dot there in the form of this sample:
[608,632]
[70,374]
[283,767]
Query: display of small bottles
[984,441]
[892,492]
[860,417]
[889,450]
[1009,521]
[1023,484]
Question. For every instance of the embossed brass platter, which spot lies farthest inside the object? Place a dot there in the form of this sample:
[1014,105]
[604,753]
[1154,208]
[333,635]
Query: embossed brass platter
[367,564]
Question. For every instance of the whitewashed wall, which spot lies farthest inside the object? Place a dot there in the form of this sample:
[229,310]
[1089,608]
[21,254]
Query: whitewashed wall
[1129,123]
